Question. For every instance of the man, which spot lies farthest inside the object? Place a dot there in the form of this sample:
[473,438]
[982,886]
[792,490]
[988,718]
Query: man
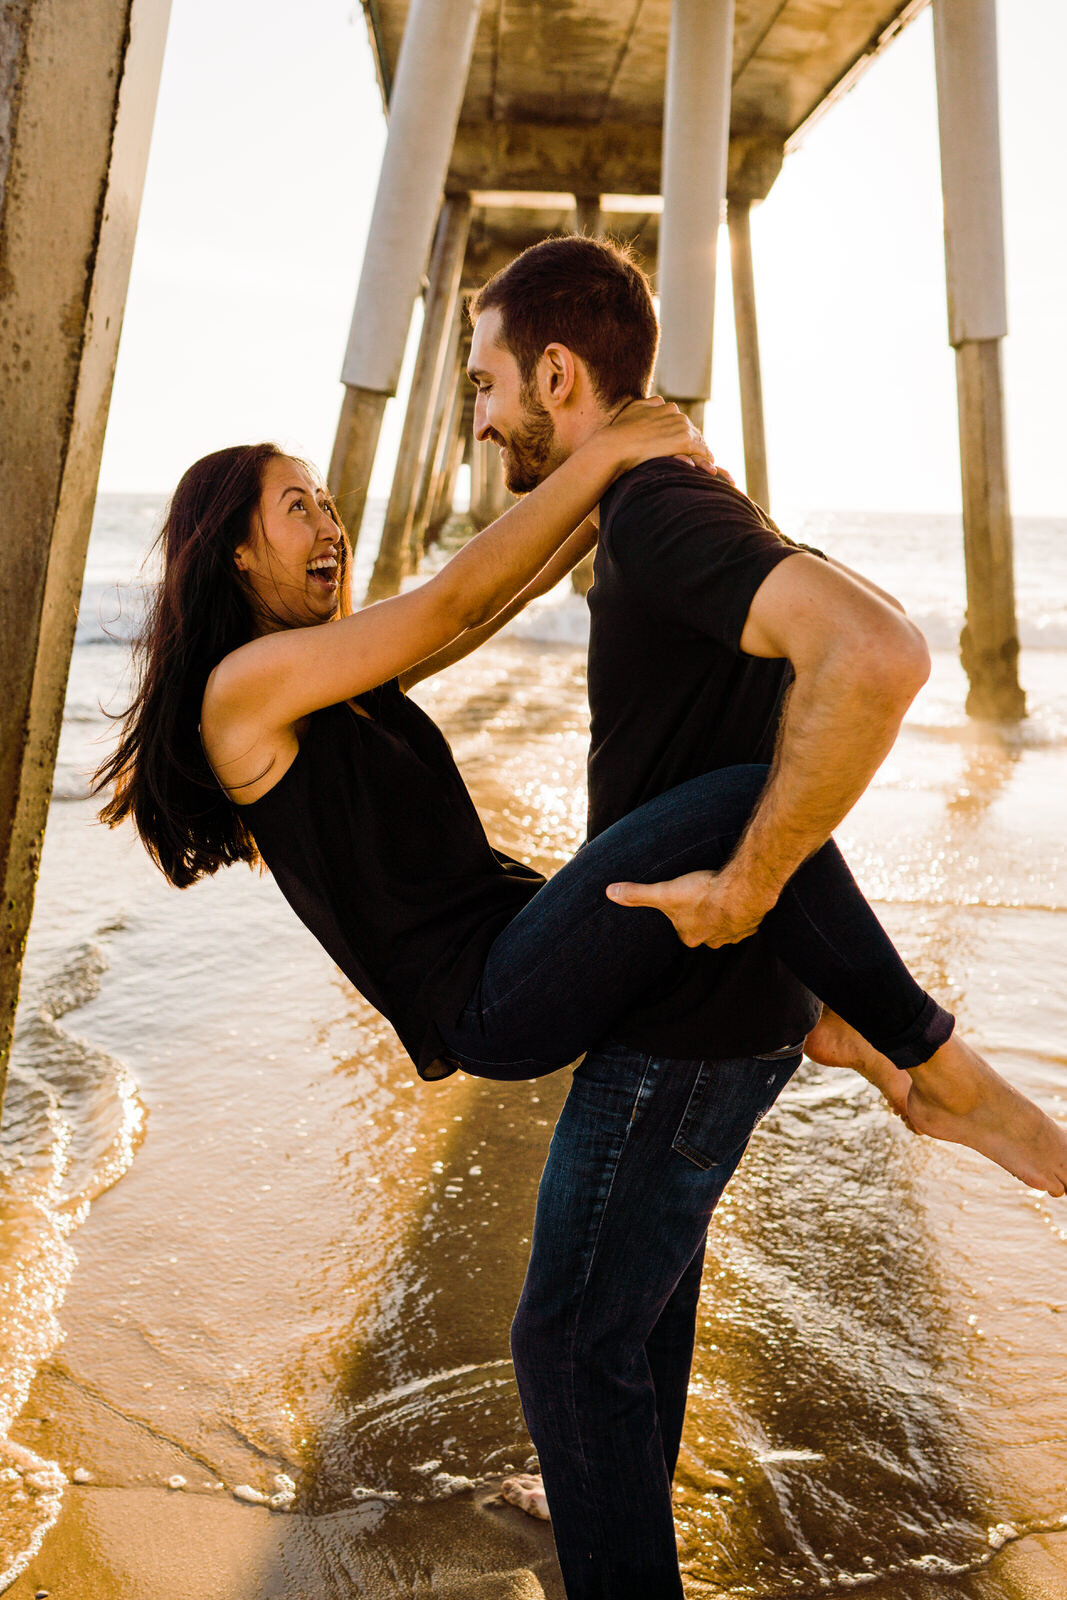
[713,641]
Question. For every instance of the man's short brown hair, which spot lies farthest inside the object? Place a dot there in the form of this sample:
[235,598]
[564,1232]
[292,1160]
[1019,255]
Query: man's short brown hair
[587,294]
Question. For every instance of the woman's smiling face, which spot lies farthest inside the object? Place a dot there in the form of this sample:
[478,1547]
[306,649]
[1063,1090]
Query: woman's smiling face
[292,560]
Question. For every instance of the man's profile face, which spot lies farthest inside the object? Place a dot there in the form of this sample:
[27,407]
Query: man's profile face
[508,414]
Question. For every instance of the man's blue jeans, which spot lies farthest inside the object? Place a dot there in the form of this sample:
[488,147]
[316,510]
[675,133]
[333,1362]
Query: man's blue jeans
[603,1336]
[645,1145]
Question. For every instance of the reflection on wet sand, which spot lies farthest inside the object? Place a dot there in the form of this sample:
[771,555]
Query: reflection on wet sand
[832,1383]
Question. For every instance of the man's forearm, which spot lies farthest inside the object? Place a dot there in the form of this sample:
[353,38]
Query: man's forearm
[858,665]
[834,737]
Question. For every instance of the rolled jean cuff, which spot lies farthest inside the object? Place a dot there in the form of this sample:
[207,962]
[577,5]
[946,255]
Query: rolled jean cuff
[930,1030]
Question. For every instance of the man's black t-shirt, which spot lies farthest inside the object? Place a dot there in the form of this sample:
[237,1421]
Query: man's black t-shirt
[671,696]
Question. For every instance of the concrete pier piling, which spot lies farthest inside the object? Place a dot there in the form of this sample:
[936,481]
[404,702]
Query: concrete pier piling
[70,192]
[460,432]
[965,42]
[438,321]
[355,446]
[444,423]
[754,164]
[748,363]
[489,494]
[427,92]
[696,136]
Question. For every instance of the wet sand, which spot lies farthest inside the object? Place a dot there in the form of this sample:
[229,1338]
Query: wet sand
[310,1268]
[148,1542]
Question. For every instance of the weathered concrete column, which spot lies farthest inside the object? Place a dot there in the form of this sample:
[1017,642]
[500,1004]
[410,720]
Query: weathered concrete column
[965,42]
[462,443]
[355,446]
[696,130]
[442,292]
[445,503]
[479,463]
[431,74]
[78,89]
[748,363]
[497,495]
[489,494]
[443,426]
[440,487]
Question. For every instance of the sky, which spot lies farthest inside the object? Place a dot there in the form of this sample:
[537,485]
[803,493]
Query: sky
[261,178]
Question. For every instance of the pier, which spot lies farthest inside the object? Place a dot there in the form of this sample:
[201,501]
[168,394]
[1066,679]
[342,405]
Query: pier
[513,122]
[505,123]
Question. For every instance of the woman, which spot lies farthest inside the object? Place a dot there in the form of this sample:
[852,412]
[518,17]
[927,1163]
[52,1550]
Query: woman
[257,732]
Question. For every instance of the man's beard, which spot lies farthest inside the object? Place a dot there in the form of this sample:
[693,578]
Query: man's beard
[529,452]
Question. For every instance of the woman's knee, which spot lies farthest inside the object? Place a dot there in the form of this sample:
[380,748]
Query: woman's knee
[713,807]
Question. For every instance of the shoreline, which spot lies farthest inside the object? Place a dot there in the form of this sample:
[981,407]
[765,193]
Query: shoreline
[146,1543]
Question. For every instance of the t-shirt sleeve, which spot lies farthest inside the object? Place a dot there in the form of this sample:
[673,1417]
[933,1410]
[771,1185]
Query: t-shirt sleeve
[695,556]
[794,544]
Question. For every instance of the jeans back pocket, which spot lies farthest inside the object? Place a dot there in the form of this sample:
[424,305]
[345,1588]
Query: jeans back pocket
[728,1099]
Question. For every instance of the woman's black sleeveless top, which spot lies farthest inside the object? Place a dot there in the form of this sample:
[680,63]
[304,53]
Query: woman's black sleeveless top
[376,845]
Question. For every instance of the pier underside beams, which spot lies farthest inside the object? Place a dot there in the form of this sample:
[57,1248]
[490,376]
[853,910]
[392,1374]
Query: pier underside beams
[966,54]
[77,101]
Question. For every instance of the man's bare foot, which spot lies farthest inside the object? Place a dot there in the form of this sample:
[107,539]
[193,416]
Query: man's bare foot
[956,1095]
[526,1491]
[832,1043]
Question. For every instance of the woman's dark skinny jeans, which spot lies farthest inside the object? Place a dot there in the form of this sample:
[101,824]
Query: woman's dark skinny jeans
[603,1337]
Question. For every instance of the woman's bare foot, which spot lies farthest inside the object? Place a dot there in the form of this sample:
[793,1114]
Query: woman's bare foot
[956,1095]
[526,1491]
[832,1043]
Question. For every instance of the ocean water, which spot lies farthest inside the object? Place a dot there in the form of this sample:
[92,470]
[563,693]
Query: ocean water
[243,1247]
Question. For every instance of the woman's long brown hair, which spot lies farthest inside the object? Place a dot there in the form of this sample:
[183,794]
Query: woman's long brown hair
[199,612]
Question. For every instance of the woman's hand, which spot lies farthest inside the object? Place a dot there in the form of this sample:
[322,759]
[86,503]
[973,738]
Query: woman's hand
[643,430]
